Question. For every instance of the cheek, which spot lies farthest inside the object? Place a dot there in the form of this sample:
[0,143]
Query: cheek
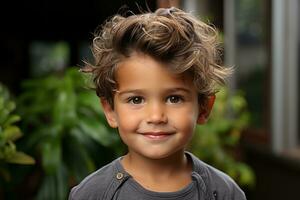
[127,122]
[186,121]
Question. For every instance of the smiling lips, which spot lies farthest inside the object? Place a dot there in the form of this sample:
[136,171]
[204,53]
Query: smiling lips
[157,135]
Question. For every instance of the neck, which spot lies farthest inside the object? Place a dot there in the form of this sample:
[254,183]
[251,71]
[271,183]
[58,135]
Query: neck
[164,168]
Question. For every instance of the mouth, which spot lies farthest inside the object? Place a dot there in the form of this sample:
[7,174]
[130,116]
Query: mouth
[157,135]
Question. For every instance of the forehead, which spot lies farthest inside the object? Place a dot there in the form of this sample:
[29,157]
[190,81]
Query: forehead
[141,70]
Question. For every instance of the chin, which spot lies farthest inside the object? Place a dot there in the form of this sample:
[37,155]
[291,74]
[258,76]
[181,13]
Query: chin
[157,155]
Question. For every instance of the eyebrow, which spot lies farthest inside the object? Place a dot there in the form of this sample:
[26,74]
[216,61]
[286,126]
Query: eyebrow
[170,90]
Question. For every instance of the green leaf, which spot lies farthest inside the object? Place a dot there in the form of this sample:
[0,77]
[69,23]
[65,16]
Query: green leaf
[54,186]
[64,111]
[47,189]
[4,113]
[11,120]
[11,133]
[78,151]
[247,176]
[89,100]
[61,182]
[51,155]
[97,131]
[8,149]
[20,158]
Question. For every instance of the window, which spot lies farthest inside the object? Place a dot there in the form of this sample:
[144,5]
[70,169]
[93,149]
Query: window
[262,41]
[252,57]
[285,64]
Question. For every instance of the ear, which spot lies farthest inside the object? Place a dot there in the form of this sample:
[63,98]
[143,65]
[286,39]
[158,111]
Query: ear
[109,113]
[205,111]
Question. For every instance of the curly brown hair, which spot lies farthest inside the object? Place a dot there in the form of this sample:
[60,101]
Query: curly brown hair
[167,35]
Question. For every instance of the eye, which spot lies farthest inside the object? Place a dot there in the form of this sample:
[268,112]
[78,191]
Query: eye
[136,100]
[174,99]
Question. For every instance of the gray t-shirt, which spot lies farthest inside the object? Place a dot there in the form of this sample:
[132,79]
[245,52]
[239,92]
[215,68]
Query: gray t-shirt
[112,182]
[134,191]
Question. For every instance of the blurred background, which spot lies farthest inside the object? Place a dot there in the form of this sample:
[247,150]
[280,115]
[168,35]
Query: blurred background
[52,129]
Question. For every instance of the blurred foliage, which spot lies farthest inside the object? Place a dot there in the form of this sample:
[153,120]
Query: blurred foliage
[217,141]
[254,90]
[9,133]
[69,135]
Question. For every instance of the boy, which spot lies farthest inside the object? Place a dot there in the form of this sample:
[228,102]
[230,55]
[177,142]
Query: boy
[156,75]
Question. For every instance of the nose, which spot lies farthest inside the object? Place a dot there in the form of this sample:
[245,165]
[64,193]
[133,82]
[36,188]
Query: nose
[156,114]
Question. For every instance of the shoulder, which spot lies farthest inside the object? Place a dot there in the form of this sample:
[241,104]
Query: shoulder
[94,185]
[219,183]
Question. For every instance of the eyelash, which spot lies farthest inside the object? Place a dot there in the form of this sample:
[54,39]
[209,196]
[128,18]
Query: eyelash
[133,98]
[140,100]
[178,99]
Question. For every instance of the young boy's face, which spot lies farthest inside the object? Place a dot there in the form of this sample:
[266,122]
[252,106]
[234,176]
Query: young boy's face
[155,111]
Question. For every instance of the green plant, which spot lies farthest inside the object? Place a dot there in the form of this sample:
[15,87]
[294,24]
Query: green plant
[216,142]
[68,132]
[9,133]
